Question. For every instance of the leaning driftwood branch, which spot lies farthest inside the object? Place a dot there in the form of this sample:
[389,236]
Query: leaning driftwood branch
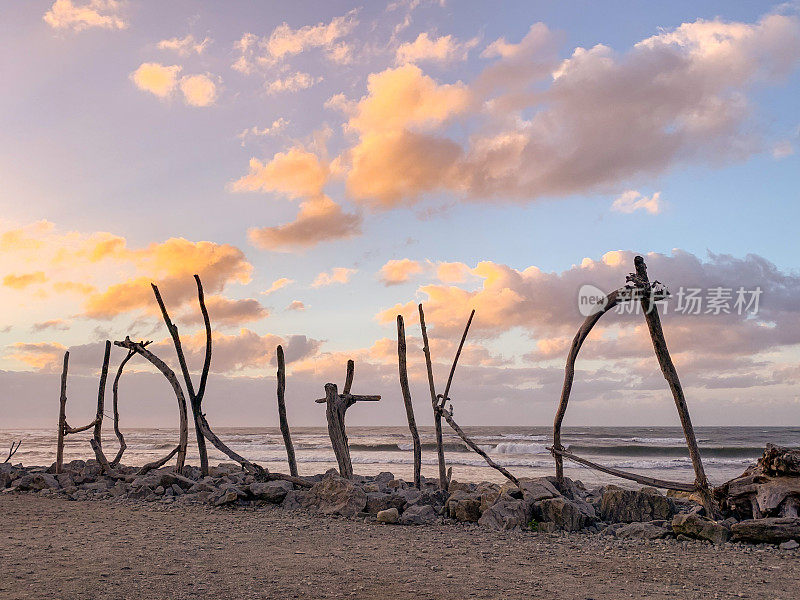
[183,439]
[448,416]
[101,396]
[13,450]
[644,480]
[444,480]
[412,424]
[115,394]
[610,302]
[642,283]
[284,422]
[446,396]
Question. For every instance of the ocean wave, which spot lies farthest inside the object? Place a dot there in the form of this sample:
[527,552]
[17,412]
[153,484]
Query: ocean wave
[636,450]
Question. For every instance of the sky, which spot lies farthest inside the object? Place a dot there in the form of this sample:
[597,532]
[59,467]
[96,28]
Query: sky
[325,167]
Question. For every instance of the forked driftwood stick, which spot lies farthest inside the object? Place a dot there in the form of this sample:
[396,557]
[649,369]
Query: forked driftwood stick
[644,480]
[412,424]
[446,396]
[183,438]
[671,375]
[444,480]
[449,418]
[195,398]
[115,394]
[63,427]
[336,407]
[13,450]
[287,434]
[610,302]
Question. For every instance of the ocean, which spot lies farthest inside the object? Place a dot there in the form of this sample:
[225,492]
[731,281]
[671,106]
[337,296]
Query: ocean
[654,451]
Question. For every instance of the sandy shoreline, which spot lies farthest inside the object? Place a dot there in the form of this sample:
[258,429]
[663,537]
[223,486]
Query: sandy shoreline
[125,549]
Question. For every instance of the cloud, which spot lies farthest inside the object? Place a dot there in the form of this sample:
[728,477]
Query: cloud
[277,126]
[285,41]
[198,90]
[633,200]
[156,78]
[66,14]
[443,49]
[277,285]
[298,173]
[338,275]
[296,305]
[57,324]
[293,82]
[20,282]
[41,355]
[452,272]
[782,149]
[395,272]
[227,311]
[185,46]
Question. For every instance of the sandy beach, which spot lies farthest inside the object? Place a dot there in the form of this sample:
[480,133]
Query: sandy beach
[123,549]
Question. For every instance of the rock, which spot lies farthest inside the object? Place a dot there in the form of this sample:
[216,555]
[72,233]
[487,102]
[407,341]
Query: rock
[780,461]
[100,486]
[36,482]
[767,531]
[391,516]
[378,501]
[177,490]
[627,506]
[506,515]
[383,478]
[140,492]
[654,530]
[419,514]
[294,499]
[567,515]
[225,497]
[335,495]
[271,491]
[790,545]
[534,490]
[159,490]
[464,506]
[694,526]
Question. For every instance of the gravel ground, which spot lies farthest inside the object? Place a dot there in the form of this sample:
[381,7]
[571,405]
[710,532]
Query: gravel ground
[55,549]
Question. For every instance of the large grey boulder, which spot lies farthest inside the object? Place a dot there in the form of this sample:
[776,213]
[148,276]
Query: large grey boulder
[628,506]
[566,514]
[271,491]
[378,501]
[655,530]
[388,516]
[506,515]
[37,481]
[767,531]
[335,495]
[694,526]
[419,514]
[464,506]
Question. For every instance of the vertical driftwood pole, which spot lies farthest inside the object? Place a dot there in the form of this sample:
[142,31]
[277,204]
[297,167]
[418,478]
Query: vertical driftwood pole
[412,424]
[115,394]
[671,375]
[287,435]
[101,397]
[62,415]
[437,412]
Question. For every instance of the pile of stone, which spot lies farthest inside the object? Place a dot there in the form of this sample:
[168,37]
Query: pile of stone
[537,504]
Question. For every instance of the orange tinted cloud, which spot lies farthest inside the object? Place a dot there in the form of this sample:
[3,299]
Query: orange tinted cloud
[337,275]
[399,271]
[42,355]
[66,14]
[156,78]
[227,311]
[20,282]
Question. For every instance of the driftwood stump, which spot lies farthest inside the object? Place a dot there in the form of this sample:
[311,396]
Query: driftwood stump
[336,407]
[412,423]
[287,434]
[444,480]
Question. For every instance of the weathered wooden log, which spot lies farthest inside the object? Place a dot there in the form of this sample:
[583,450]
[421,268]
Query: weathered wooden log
[13,450]
[62,415]
[644,480]
[412,424]
[195,398]
[101,397]
[610,302]
[446,395]
[284,422]
[437,413]
[183,435]
[671,375]
[115,393]
[448,416]
[335,409]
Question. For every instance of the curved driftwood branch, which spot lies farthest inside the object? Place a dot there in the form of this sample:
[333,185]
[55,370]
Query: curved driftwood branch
[437,413]
[449,418]
[644,480]
[610,302]
[446,396]
[671,375]
[284,422]
[412,424]
[115,394]
[101,396]
[13,450]
[183,440]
